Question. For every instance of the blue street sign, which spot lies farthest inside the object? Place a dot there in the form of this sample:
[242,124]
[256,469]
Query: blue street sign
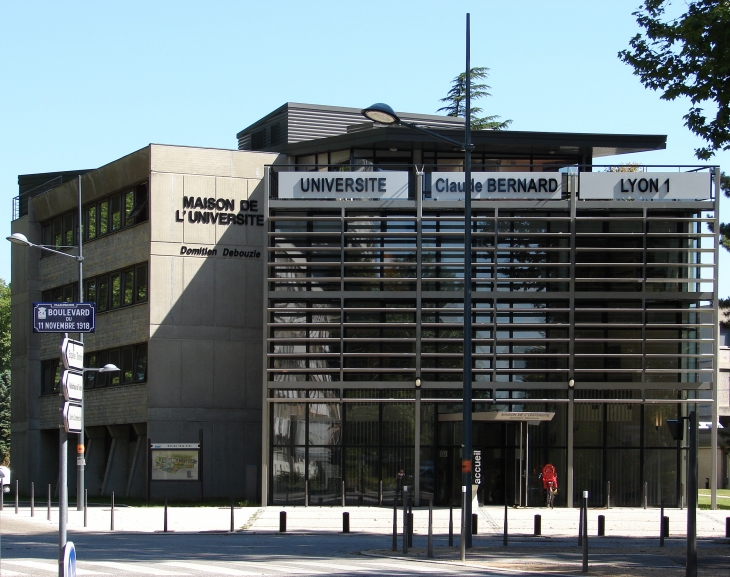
[64,317]
[69,560]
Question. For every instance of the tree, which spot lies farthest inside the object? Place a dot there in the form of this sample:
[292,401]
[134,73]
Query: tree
[688,56]
[4,373]
[455,100]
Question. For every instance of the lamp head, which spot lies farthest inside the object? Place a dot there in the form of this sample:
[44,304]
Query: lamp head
[108,368]
[381,113]
[20,239]
[676,428]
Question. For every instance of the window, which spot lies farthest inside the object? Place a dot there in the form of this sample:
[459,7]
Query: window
[257,139]
[101,304]
[115,281]
[131,360]
[119,288]
[141,280]
[116,213]
[91,222]
[50,376]
[103,217]
[128,287]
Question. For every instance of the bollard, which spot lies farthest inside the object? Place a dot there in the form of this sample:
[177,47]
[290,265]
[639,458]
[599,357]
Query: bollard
[405,519]
[112,511]
[580,526]
[345,522]
[462,540]
[380,493]
[233,520]
[32,499]
[727,527]
[474,523]
[451,523]
[608,494]
[681,496]
[343,493]
[504,536]
[410,529]
[395,523]
[665,527]
[601,526]
[282,522]
[306,493]
[585,531]
[165,519]
[430,529]
[646,494]
[49,501]
[538,526]
[86,504]
[661,526]
[16,496]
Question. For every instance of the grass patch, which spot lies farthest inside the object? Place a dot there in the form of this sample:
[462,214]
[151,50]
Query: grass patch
[106,501]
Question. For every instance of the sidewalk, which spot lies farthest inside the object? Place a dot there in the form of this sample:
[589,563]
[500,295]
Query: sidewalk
[620,522]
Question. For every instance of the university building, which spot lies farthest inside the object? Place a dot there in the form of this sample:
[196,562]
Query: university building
[297,305]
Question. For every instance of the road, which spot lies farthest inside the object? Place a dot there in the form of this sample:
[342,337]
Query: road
[28,550]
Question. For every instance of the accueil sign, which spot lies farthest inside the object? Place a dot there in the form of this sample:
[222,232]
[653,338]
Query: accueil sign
[644,185]
[338,185]
[498,185]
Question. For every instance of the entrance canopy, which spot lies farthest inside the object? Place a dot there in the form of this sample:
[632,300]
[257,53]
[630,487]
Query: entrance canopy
[510,416]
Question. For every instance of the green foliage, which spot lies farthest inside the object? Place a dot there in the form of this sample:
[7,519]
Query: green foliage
[455,100]
[688,56]
[4,373]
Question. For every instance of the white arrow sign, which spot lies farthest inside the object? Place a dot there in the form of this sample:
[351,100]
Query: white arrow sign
[72,354]
[72,385]
[72,418]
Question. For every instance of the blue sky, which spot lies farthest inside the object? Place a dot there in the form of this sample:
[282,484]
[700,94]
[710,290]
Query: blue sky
[84,83]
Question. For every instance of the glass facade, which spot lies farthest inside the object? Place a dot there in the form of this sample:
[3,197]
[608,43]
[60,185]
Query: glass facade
[365,299]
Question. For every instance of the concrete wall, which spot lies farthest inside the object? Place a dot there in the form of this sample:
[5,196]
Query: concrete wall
[205,316]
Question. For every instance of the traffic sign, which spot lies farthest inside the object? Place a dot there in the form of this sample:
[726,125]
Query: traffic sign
[72,417]
[64,317]
[72,354]
[72,385]
[69,560]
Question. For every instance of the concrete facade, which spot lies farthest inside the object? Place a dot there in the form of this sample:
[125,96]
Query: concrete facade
[201,321]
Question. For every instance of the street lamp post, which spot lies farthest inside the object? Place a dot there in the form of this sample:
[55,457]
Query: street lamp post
[676,428]
[384,114]
[21,240]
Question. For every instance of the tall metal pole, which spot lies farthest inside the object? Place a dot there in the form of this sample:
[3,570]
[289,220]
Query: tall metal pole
[62,486]
[80,462]
[691,567]
[467,436]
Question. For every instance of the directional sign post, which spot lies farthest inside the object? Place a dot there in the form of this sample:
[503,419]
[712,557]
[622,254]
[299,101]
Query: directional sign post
[72,418]
[72,354]
[72,385]
[64,318]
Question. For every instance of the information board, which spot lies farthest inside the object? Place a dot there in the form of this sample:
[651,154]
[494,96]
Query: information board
[175,461]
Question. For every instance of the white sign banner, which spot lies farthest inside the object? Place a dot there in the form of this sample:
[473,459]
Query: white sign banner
[72,418]
[72,354]
[645,185]
[72,385]
[498,185]
[342,185]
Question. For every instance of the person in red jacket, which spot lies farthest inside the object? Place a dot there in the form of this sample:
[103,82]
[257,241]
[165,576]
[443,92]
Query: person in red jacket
[549,483]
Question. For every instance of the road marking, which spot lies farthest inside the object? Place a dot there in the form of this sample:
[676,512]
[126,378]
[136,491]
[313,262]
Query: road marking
[338,567]
[133,568]
[414,567]
[48,566]
[9,573]
[279,568]
[208,568]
